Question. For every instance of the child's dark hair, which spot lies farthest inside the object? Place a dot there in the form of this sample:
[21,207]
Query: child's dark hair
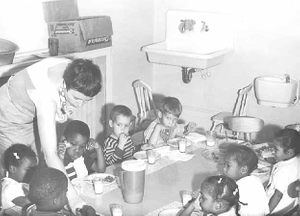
[46,184]
[223,189]
[120,110]
[244,156]
[288,139]
[83,76]
[77,127]
[171,105]
[15,154]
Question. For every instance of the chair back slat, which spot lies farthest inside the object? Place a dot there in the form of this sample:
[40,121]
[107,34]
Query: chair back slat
[146,106]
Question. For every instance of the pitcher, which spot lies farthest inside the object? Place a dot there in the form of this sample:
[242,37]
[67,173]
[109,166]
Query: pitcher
[133,180]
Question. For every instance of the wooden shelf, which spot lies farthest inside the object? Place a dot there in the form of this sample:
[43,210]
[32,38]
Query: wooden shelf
[24,60]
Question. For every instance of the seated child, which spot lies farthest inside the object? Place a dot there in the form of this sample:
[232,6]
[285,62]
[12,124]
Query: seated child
[18,160]
[118,145]
[240,161]
[219,196]
[72,150]
[165,126]
[285,171]
[48,195]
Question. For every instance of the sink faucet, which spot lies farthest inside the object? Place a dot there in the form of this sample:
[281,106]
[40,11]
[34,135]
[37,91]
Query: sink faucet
[204,27]
[186,25]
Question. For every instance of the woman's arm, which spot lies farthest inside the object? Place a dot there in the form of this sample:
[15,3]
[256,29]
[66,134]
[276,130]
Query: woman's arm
[46,110]
[275,199]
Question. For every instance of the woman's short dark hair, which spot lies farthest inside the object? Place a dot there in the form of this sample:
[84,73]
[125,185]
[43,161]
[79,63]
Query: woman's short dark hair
[83,76]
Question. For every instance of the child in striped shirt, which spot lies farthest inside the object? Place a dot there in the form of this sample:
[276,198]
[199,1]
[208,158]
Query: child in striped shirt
[118,145]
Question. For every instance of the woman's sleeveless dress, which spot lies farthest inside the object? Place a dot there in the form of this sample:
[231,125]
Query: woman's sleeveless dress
[17,110]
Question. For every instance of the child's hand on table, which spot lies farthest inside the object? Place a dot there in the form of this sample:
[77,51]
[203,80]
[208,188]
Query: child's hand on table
[147,147]
[86,211]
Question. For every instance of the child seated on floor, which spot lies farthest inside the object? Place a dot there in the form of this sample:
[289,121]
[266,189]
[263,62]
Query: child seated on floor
[73,147]
[285,171]
[48,195]
[240,161]
[165,126]
[118,145]
[19,160]
[219,195]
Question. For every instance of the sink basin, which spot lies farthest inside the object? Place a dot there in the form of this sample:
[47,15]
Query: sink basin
[201,46]
[201,58]
[276,91]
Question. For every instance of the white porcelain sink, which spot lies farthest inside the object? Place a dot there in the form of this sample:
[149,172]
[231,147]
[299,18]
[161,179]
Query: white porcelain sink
[197,47]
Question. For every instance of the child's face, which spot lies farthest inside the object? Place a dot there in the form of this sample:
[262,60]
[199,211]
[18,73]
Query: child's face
[168,119]
[120,125]
[76,99]
[77,149]
[26,165]
[232,169]
[207,202]
[280,155]
[60,201]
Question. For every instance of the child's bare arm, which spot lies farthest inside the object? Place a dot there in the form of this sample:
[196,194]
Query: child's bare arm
[155,134]
[275,199]
[21,201]
[100,164]
[187,208]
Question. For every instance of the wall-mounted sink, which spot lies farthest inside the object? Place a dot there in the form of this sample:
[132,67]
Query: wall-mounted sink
[193,39]
[202,58]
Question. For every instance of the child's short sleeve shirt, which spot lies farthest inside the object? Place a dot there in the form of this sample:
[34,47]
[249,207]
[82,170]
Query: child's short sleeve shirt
[283,173]
[11,189]
[252,193]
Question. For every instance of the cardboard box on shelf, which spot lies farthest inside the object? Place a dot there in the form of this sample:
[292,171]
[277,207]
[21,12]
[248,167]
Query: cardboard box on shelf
[82,33]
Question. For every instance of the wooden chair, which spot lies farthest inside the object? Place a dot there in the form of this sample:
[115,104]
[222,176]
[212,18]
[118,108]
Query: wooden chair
[147,110]
[245,125]
[239,109]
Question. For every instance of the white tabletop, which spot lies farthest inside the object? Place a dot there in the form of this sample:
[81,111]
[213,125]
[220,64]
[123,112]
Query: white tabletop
[161,188]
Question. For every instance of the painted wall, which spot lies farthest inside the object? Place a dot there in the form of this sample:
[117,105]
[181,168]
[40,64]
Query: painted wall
[267,43]
[133,25]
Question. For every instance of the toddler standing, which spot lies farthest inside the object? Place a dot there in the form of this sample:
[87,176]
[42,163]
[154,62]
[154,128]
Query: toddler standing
[18,159]
[240,161]
[118,145]
[165,126]
[219,196]
[285,171]
[73,151]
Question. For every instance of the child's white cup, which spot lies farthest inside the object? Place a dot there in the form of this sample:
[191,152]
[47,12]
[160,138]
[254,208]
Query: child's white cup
[186,196]
[182,144]
[98,186]
[151,156]
[211,138]
[116,209]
